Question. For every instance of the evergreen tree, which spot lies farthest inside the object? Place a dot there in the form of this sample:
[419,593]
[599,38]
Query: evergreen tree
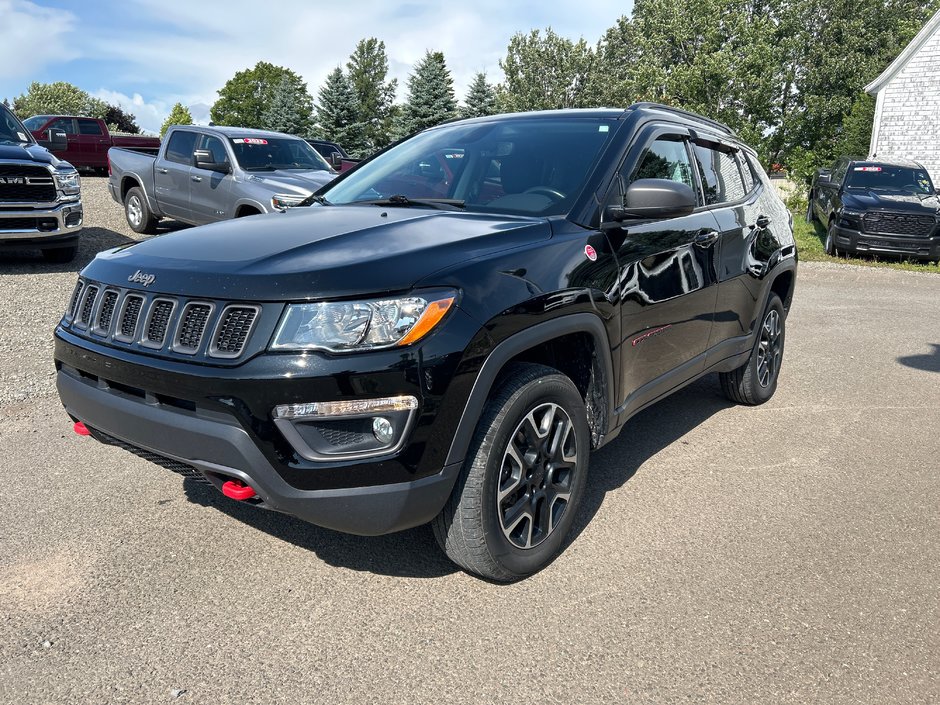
[284,113]
[337,114]
[179,115]
[430,95]
[368,69]
[481,98]
[245,97]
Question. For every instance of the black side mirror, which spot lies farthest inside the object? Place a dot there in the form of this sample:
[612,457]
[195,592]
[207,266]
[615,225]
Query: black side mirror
[654,199]
[336,160]
[204,160]
[56,140]
[823,176]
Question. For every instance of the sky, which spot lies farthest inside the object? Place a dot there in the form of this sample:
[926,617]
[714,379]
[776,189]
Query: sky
[146,55]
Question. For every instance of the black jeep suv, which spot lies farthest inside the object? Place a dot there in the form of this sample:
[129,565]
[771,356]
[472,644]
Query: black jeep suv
[880,207]
[448,330]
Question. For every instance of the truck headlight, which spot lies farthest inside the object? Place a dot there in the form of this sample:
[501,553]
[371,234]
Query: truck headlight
[343,326]
[281,202]
[69,183]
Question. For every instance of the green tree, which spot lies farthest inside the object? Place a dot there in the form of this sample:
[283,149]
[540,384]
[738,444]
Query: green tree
[609,83]
[179,115]
[285,113]
[430,98]
[543,73]
[120,120]
[481,98]
[368,70]
[245,97]
[337,114]
[59,98]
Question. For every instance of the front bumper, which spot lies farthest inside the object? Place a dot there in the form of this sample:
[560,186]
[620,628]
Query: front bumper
[36,227]
[851,240]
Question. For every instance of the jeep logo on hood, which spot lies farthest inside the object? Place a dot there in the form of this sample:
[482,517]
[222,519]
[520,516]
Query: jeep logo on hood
[140,277]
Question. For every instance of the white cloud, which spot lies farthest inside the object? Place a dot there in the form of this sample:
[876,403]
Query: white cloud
[30,38]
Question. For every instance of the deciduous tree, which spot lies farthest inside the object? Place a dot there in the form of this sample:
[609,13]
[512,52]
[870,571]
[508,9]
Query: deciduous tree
[245,97]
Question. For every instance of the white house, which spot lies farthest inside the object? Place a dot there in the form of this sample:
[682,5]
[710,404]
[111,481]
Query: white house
[907,102]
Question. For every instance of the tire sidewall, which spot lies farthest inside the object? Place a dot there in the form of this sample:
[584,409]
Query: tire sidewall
[559,390]
[762,394]
[144,210]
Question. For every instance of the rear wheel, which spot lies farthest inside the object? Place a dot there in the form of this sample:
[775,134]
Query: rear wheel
[519,490]
[138,212]
[755,381]
[810,216]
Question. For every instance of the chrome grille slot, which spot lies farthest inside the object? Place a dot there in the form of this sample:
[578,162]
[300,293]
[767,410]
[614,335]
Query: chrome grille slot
[130,315]
[232,332]
[88,305]
[158,320]
[105,313]
[191,327]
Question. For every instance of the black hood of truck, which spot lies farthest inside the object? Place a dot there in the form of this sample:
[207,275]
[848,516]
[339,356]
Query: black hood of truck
[29,153]
[894,201]
[316,252]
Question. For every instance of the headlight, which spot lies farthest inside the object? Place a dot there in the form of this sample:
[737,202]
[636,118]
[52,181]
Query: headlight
[849,213]
[280,202]
[68,183]
[340,326]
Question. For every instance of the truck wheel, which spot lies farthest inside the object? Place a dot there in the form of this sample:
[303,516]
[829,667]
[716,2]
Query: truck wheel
[60,255]
[755,381]
[138,212]
[810,216]
[830,245]
[519,490]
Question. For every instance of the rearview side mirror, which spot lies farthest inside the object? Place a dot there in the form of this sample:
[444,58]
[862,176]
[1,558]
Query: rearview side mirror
[336,160]
[204,160]
[56,140]
[654,199]
[823,176]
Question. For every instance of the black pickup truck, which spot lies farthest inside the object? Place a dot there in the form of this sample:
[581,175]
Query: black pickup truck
[447,331]
[880,207]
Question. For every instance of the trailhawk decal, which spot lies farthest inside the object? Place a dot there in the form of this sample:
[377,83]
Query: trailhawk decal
[649,334]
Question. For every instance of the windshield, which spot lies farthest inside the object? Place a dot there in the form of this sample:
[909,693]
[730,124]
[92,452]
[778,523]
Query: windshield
[534,166]
[35,122]
[879,177]
[270,153]
[10,128]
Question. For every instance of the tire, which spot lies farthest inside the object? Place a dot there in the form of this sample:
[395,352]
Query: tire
[60,255]
[137,212]
[512,449]
[830,246]
[755,381]
[810,216]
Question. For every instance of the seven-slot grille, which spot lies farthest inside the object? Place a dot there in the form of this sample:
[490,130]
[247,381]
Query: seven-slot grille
[26,184]
[899,224]
[161,323]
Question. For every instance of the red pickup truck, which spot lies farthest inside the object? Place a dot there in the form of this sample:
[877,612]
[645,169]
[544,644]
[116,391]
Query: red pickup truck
[88,139]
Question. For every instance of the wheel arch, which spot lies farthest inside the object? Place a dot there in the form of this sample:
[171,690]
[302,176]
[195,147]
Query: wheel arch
[591,369]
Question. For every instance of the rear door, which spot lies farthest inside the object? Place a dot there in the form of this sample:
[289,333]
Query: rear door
[172,174]
[93,142]
[667,275]
[211,191]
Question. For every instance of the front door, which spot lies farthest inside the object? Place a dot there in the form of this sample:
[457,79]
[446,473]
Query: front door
[172,174]
[210,190]
[667,278]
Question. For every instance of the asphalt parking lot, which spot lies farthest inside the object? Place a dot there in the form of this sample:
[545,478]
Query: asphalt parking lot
[788,553]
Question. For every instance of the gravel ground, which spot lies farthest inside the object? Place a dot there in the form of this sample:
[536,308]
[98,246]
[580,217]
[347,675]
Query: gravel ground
[788,553]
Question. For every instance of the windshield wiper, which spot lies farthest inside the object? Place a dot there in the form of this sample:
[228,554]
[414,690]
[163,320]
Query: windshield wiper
[260,168]
[314,198]
[402,201]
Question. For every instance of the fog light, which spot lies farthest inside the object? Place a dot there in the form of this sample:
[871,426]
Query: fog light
[383,430]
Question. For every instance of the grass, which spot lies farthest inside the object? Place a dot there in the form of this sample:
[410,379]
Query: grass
[810,240]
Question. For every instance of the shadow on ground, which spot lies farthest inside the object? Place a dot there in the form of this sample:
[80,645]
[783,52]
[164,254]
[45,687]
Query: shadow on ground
[929,362]
[415,553]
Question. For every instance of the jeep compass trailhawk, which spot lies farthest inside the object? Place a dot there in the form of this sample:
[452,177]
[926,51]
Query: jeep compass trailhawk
[445,332]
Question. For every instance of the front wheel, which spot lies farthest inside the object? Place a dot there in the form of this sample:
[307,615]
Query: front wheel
[830,246]
[525,473]
[755,381]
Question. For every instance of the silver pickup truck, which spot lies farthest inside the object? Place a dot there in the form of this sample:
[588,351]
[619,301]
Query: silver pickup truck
[205,174]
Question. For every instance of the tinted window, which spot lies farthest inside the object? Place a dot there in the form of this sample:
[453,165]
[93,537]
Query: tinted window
[89,127]
[215,147]
[666,159]
[271,153]
[746,173]
[881,177]
[721,178]
[180,147]
[67,125]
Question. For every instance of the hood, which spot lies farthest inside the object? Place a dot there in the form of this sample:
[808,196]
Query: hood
[898,202]
[315,252]
[291,182]
[30,153]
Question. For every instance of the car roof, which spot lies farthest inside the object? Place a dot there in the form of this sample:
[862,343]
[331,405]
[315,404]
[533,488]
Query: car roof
[888,161]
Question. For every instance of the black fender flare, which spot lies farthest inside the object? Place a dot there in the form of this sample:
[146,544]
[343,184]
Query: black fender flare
[517,343]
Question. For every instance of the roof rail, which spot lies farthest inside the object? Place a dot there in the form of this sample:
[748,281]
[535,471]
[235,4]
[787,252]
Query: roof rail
[684,113]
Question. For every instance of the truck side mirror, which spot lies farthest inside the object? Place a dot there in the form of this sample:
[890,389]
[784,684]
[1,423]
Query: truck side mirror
[823,176]
[56,140]
[205,160]
[336,160]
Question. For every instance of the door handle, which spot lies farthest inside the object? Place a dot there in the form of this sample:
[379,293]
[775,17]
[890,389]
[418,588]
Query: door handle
[163,171]
[196,178]
[706,238]
[762,221]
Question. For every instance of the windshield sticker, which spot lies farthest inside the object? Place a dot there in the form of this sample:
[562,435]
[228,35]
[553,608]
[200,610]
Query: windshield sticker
[603,128]
[867,168]
[249,140]
[21,136]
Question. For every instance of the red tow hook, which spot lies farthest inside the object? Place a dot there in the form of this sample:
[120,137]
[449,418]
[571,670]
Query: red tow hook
[236,489]
[81,429]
